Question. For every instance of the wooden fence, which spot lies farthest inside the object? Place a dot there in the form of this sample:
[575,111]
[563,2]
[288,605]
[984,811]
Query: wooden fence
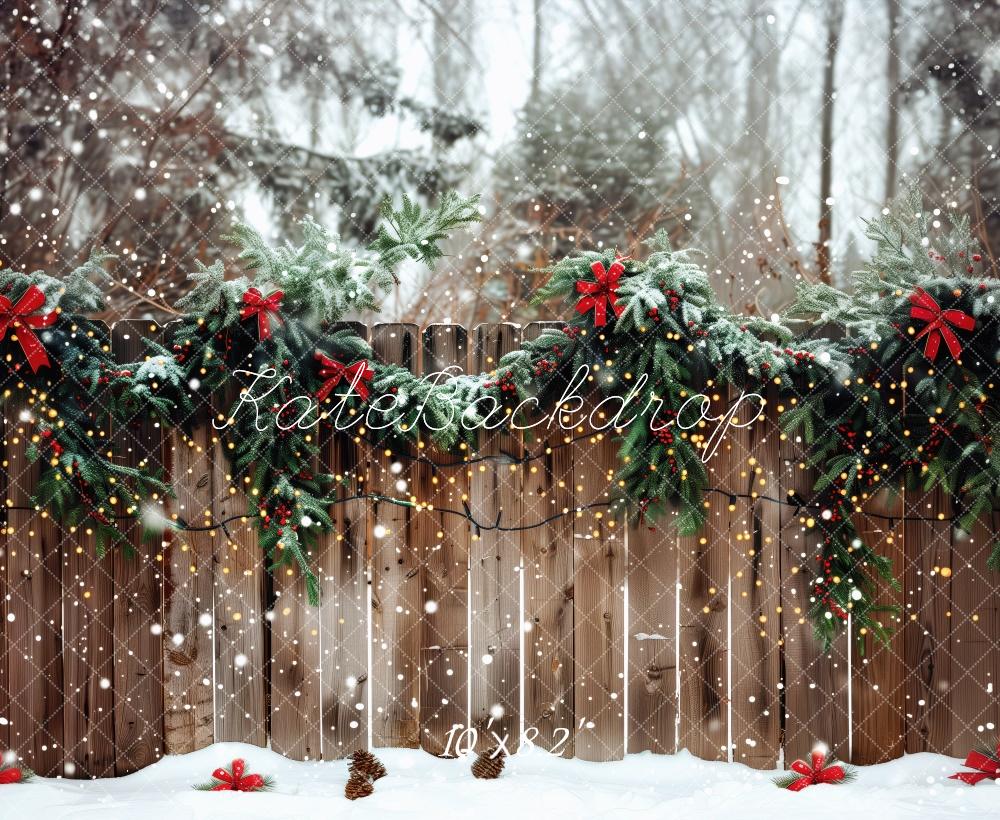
[598,639]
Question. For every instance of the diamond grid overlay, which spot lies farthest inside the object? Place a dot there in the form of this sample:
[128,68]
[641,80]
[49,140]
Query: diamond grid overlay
[722,528]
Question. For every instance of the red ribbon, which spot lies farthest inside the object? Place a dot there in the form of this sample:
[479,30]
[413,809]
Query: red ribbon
[989,769]
[22,317]
[601,293]
[236,781]
[333,371]
[819,772]
[11,775]
[254,304]
[924,307]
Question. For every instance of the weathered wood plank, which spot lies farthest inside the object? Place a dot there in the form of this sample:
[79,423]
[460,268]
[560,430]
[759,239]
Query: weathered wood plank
[931,684]
[878,672]
[240,601]
[704,599]
[397,599]
[754,583]
[975,645]
[343,562]
[548,582]
[34,609]
[495,561]
[5,700]
[599,604]
[815,683]
[444,543]
[88,656]
[652,672]
[189,576]
[138,607]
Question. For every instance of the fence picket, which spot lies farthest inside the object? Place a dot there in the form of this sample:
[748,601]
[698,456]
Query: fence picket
[975,618]
[88,589]
[444,543]
[548,581]
[878,675]
[704,589]
[240,604]
[34,608]
[652,672]
[189,576]
[397,602]
[138,606]
[495,559]
[931,686]
[599,603]
[345,611]
[754,584]
[815,683]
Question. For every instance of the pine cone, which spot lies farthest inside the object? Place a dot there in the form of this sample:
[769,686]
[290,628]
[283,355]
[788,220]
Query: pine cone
[366,763]
[358,786]
[489,764]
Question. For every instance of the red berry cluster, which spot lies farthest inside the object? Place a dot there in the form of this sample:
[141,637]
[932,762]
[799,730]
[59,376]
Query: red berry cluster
[505,382]
[278,517]
[52,442]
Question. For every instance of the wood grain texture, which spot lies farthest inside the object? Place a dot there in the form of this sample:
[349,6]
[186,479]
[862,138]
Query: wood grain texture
[240,602]
[495,559]
[599,605]
[751,454]
[548,581]
[878,673]
[5,700]
[88,655]
[189,578]
[975,646]
[931,686]
[704,598]
[34,608]
[815,682]
[444,543]
[652,626]
[344,617]
[397,600]
[295,675]
[138,604]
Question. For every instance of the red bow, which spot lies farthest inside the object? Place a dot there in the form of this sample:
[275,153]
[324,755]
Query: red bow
[601,293]
[819,772]
[254,304]
[333,371]
[22,318]
[236,781]
[989,769]
[924,307]
[10,775]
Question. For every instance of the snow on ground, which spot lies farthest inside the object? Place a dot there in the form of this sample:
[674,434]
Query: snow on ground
[534,785]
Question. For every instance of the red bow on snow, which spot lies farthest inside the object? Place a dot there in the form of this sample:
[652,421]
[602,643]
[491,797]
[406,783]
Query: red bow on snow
[819,772]
[254,304]
[989,768]
[333,371]
[924,307]
[601,293]
[11,774]
[22,317]
[236,780]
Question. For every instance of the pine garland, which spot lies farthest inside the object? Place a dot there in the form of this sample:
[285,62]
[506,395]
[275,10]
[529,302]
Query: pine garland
[874,408]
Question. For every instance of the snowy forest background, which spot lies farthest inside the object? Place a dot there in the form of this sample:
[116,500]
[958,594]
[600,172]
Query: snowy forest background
[759,133]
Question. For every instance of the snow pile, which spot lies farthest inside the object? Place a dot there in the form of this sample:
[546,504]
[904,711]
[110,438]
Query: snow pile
[534,785]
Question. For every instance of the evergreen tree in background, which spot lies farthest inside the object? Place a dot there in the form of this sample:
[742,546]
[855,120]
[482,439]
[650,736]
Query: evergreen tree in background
[141,125]
[587,169]
[962,57]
